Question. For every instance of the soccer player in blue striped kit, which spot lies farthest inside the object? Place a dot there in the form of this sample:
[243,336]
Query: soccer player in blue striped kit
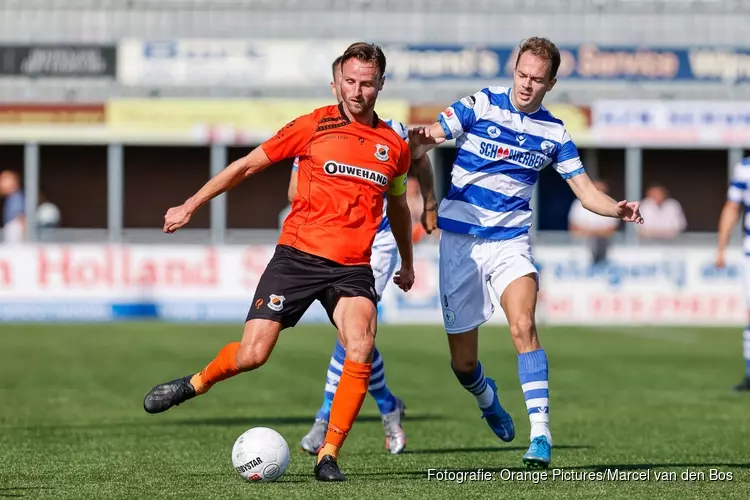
[738,195]
[383,262]
[504,138]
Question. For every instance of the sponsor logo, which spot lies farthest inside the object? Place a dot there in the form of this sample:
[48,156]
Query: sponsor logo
[334,168]
[497,152]
[381,152]
[276,302]
[468,101]
[448,112]
[250,465]
[258,303]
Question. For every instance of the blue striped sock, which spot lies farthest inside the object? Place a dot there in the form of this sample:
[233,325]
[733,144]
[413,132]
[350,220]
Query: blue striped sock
[476,383]
[746,350]
[378,388]
[335,367]
[533,373]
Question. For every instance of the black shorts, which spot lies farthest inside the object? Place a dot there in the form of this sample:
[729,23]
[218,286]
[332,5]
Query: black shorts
[294,279]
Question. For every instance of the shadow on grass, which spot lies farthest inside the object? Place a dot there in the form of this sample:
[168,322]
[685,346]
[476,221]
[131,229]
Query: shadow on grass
[228,421]
[150,421]
[11,492]
[440,451]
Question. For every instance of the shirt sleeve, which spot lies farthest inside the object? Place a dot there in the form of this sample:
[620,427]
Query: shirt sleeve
[15,206]
[566,160]
[460,116]
[738,184]
[292,139]
[398,183]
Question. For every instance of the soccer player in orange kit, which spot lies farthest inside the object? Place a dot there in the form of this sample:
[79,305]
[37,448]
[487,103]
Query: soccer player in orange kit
[348,159]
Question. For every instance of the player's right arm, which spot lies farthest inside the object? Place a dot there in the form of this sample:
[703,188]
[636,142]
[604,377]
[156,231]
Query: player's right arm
[730,214]
[457,119]
[290,141]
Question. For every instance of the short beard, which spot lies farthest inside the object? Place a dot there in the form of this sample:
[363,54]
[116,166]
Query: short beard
[365,109]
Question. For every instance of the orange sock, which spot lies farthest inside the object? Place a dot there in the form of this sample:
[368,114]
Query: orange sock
[347,401]
[222,367]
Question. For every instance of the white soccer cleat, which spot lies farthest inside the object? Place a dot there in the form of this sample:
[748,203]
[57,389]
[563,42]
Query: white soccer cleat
[313,440]
[395,437]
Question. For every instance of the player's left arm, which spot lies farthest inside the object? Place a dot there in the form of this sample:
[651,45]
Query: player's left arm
[568,165]
[422,168]
[400,218]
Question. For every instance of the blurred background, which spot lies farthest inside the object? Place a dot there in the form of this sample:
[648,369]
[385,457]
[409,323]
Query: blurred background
[111,111]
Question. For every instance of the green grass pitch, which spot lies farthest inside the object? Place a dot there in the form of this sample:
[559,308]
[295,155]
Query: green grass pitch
[631,399]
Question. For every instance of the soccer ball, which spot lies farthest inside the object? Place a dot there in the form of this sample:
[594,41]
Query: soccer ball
[260,454]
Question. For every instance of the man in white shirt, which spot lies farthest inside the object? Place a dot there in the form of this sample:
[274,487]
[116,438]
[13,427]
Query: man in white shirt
[596,229]
[665,217]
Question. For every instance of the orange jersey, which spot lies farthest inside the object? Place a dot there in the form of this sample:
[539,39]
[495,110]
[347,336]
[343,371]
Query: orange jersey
[345,168]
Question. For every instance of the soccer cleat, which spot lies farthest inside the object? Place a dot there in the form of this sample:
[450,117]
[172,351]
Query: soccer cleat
[538,455]
[165,396]
[328,470]
[743,386]
[497,418]
[395,437]
[313,440]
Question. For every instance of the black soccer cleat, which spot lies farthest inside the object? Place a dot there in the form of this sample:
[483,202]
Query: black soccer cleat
[165,396]
[328,470]
[743,386]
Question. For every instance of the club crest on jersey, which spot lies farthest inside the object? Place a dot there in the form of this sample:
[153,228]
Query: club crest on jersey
[381,152]
[493,131]
[547,147]
[276,302]
[334,168]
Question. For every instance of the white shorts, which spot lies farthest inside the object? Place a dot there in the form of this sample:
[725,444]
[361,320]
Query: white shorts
[469,267]
[383,260]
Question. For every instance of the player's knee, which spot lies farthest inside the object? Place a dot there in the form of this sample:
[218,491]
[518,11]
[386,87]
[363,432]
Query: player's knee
[465,366]
[359,349]
[250,357]
[522,328]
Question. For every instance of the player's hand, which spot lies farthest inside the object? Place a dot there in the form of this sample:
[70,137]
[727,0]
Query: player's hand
[421,140]
[629,211]
[429,219]
[175,218]
[720,262]
[404,278]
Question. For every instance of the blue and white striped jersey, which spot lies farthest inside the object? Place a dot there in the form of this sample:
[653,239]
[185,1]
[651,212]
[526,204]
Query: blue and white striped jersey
[500,154]
[739,192]
[402,131]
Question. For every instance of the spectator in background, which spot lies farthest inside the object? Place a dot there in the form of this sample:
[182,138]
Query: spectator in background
[663,216]
[14,218]
[47,215]
[595,228]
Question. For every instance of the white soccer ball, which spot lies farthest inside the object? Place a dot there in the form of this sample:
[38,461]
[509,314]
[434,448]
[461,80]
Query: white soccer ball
[260,454]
